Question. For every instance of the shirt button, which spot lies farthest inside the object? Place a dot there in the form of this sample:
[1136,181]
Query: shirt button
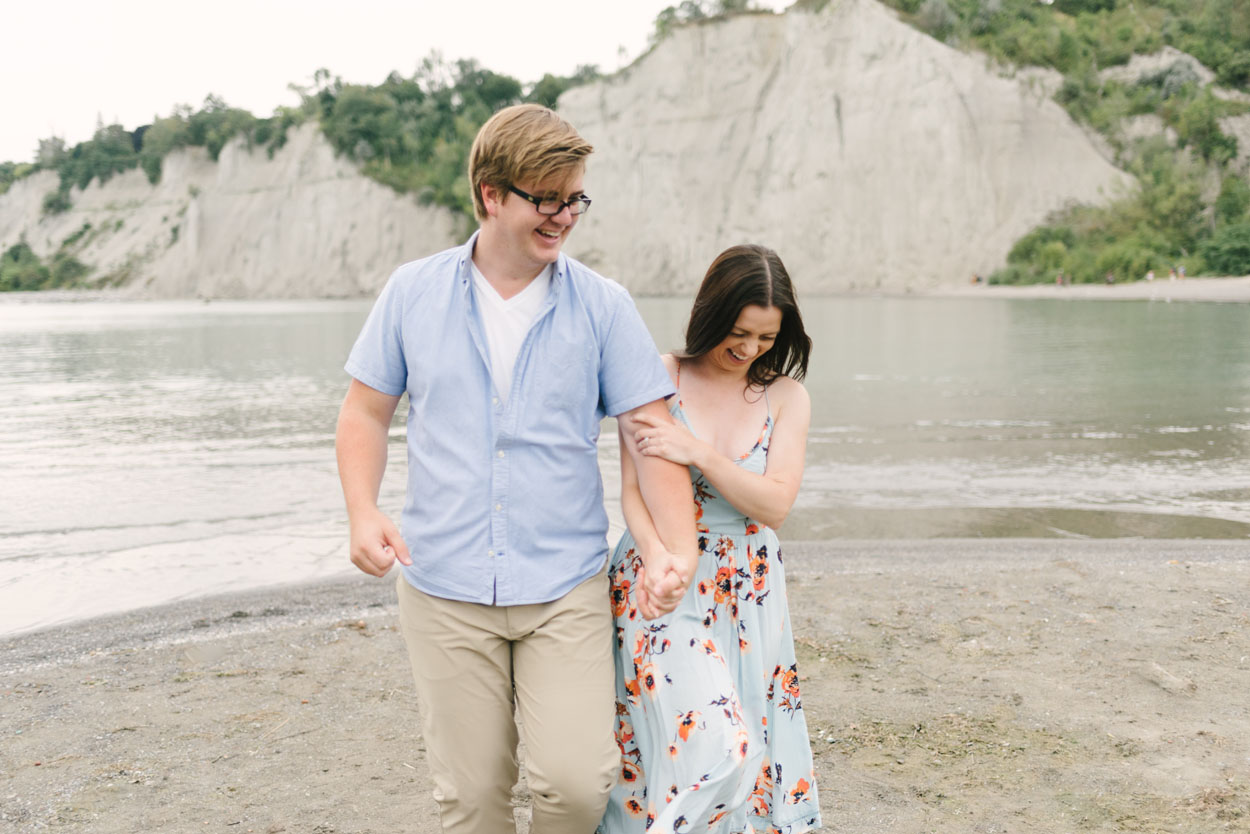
[499,453]
[490,553]
[494,400]
[498,507]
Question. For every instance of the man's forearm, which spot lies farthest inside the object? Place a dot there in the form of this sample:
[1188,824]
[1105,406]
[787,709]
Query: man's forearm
[360,445]
[666,492]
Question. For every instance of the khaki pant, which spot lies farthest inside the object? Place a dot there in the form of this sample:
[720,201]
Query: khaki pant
[468,660]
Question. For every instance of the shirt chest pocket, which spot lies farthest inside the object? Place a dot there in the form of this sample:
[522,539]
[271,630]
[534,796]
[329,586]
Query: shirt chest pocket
[569,378]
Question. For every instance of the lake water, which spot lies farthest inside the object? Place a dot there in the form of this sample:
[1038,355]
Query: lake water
[162,450]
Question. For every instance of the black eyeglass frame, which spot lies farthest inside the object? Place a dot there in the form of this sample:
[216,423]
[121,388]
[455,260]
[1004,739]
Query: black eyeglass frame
[583,201]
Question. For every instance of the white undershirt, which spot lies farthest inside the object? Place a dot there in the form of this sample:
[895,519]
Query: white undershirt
[506,321]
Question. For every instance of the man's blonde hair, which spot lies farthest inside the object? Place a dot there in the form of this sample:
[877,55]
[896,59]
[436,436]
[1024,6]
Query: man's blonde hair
[523,143]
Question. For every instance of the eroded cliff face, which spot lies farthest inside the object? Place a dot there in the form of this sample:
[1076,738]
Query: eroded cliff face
[869,155]
[303,224]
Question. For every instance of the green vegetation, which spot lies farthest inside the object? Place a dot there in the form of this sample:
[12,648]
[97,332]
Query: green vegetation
[113,149]
[22,269]
[1175,217]
[11,172]
[689,11]
[414,134]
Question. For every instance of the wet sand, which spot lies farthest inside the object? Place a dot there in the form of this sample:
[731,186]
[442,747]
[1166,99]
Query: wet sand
[950,686]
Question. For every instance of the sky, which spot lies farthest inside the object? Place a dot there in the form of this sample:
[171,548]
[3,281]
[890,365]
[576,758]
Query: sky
[69,64]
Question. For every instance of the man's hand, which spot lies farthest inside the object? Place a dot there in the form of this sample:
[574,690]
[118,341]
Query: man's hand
[662,582]
[376,543]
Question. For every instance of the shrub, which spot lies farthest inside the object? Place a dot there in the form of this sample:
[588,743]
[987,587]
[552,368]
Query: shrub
[57,200]
[937,18]
[21,269]
[1228,251]
[1197,125]
[66,271]
[1233,201]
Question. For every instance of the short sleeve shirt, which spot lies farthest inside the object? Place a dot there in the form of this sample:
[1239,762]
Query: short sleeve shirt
[504,502]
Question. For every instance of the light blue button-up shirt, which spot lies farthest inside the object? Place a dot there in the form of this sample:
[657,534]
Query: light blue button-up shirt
[504,502]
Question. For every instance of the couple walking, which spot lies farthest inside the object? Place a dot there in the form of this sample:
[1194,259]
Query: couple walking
[659,682]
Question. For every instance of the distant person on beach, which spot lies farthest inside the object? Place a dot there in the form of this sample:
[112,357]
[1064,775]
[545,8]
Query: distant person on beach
[511,353]
[709,718]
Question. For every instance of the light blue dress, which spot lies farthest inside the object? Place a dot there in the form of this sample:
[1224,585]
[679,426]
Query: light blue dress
[709,719]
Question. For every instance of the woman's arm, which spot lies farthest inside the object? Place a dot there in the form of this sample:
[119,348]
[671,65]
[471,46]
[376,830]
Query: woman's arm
[768,497]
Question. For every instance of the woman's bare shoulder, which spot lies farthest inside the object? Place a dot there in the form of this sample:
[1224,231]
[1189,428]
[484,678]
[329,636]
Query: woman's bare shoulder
[786,393]
[670,362]
[788,388]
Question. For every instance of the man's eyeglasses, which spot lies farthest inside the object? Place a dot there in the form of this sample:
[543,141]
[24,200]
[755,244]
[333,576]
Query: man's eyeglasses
[550,207]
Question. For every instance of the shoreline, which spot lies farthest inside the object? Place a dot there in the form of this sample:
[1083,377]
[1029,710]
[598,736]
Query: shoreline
[955,685]
[1217,290]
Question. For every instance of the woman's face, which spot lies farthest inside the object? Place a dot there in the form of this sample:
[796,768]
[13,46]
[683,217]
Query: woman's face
[753,335]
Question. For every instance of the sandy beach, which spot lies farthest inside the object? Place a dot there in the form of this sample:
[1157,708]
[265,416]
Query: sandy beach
[1226,290]
[950,686]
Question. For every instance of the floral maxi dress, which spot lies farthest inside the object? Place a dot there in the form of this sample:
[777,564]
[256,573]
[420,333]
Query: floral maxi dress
[709,719]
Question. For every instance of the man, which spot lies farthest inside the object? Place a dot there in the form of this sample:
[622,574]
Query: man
[511,353]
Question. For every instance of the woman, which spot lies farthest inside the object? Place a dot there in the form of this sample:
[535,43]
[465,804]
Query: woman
[709,719]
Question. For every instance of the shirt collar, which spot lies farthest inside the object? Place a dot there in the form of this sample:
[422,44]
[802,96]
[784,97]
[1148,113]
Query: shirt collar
[464,264]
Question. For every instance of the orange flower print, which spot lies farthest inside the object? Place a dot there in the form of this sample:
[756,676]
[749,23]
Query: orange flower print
[759,568]
[624,728]
[634,807]
[640,644]
[724,585]
[686,724]
[672,751]
[762,797]
[709,648]
[752,528]
[649,678]
[619,595]
[800,792]
[742,745]
[790,682]
[630,774]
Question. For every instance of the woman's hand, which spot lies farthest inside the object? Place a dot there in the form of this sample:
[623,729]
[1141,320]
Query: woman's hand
[661,582]
[667,440]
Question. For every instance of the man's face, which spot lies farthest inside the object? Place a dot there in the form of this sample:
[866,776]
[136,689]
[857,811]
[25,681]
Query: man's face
[533,239]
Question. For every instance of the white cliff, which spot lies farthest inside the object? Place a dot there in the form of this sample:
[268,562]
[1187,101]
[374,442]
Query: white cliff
[869,155]
[302,224]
